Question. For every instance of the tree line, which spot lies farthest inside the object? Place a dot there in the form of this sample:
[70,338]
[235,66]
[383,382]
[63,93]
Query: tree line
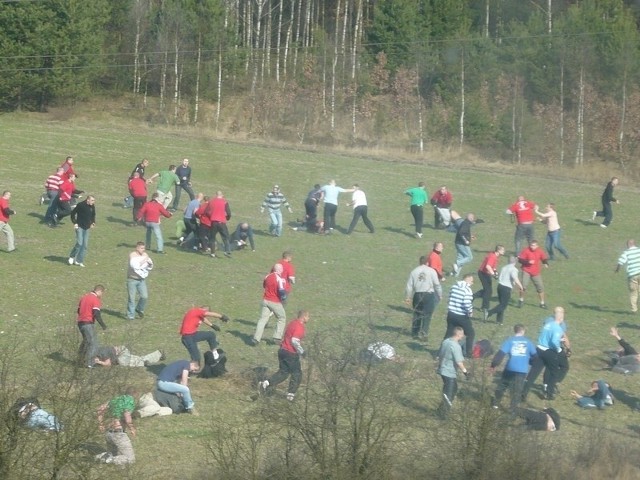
[553,81]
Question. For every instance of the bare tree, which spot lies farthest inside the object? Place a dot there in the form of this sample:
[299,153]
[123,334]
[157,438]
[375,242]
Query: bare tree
[462,100]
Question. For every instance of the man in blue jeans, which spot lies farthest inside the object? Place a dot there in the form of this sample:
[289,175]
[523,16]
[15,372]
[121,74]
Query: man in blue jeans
[174,378]
[140,264]
[83,217]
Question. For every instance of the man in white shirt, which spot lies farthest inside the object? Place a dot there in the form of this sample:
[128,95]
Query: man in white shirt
[140,264]
[359,203]
[550,217]
[330,194]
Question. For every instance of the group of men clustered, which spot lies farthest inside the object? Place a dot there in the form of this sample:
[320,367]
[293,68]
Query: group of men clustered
[206,217]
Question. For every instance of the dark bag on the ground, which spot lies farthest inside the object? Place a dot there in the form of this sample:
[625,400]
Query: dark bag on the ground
[214,367]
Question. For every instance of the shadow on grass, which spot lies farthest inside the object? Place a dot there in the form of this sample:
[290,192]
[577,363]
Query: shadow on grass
[628,325]
[597,308]
[53,258]
[586,223]
[114,313]
[261,233]
[400,231]
[415,406]
[123,244]
[121,221]
[389,328]
[244,337]
[58,357]
[624,398]
[39,216]
[401,308]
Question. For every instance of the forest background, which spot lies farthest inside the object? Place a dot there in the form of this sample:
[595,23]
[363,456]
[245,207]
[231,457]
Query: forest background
[542,81]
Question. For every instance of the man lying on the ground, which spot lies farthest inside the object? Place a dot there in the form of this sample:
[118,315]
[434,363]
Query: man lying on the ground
[121,355]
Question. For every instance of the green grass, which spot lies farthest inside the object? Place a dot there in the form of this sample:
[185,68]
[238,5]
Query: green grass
[340,279]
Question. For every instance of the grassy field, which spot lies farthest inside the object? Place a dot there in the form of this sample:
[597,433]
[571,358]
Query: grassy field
[347,282]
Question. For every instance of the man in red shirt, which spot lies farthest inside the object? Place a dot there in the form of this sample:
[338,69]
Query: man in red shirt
[5,213]
[289,358]
[190,334]
[288,270]
[67,168]
[138,191]
[532,258]
[203,213]
[88,314]
[151,212]
[220,214]
[524,212]
[274,291]
[434,260]
[487,271]
[52,185]
[441,201]
[62,206]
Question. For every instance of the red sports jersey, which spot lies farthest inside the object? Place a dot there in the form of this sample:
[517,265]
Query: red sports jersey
[151,212]
[88,303]
[4,206]
[442,200]
[53,182]
[202,214]
[192,320]
[138,187]
[434,260]
[68,170]
[531,260]
[272,283]
[288,271]
[218,210]
[524,210]
[295,329]
[66,190]
[492,260]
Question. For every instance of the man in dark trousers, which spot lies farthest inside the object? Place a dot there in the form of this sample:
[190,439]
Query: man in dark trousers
[83,217]
[289,357]
[184,174]
[607,199]
[88,314]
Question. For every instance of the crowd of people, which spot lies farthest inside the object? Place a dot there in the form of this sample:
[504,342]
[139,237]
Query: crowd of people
[205,217]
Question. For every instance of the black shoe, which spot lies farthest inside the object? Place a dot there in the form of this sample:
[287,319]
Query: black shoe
[254,342]
[140,313]
[162,355]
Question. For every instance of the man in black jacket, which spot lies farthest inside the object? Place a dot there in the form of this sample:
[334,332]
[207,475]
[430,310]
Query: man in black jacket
[607,199]
[83,217]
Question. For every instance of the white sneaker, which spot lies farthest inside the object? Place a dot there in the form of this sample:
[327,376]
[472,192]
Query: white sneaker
[594,215]
[79,264]
[71,260]
[262,386]
[456,268]
[291,396]
[603,226]
[419,235]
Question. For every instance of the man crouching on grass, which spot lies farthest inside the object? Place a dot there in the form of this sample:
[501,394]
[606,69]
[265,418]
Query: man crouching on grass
[118,412]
